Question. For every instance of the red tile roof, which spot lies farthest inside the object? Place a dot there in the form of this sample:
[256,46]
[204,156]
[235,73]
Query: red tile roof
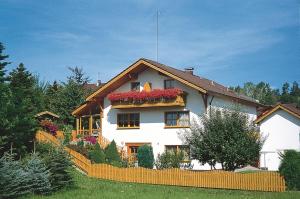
[292,108]
[209,85]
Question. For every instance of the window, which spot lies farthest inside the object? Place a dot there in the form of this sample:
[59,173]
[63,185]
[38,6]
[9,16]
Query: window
[179,149]
[128,120]
[177,119]
[135,86]
[169,83]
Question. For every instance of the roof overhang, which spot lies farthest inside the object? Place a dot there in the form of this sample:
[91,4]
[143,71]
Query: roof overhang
[127,75]
[46,113]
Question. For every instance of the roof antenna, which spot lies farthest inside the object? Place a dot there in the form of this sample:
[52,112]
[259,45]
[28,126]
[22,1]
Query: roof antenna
[157,13]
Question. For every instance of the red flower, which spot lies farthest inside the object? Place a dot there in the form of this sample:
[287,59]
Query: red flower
[143,95]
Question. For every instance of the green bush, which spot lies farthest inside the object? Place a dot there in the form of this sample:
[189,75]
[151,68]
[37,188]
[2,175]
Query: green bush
[80,149]
[80,143]
[169,160]
[145,156]
[290,169]
[112,154]
[97,154]
[67,129]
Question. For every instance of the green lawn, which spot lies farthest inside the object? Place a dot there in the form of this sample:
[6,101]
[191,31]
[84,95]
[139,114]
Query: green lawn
[86,187]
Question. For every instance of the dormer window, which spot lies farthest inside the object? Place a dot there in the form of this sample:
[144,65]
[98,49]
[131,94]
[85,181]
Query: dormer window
[135,86]
[169,83]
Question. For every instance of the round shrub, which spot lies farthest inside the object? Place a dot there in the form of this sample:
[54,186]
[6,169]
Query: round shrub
[145,156]
[290,169]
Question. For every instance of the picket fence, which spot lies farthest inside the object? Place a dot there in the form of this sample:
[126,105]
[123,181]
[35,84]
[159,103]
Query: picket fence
[256,181]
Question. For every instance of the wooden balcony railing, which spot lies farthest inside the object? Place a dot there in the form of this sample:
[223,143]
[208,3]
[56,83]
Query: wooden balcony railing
[178,101]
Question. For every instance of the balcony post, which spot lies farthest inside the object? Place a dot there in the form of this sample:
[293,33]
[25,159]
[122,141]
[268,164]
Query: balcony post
[90,124]
[77,125]
[80,124]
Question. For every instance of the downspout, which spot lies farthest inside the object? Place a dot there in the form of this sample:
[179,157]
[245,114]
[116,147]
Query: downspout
[212,98]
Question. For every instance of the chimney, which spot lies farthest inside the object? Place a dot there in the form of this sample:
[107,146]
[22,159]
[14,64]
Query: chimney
[189,70]
[98,82]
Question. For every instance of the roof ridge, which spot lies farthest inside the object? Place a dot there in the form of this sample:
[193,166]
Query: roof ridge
[224,88]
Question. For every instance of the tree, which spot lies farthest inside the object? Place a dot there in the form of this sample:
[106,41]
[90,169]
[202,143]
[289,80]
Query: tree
[145,156]
[97,154]
[5,103]
[226,137]
[58,163]
[66,97]
[38,175]
[24,107]
[14,180]
[78,76]
[2,63]
[112,154]
[290,169]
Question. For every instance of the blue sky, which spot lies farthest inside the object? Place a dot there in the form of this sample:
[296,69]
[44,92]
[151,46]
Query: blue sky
[231,42]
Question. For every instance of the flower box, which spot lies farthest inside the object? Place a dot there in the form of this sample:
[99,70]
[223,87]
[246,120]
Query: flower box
[156,97]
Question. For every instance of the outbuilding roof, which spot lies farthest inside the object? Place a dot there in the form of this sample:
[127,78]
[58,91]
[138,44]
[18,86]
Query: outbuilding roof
[290,108]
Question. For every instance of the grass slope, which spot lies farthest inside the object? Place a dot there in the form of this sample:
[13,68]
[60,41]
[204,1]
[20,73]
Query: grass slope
[91,188]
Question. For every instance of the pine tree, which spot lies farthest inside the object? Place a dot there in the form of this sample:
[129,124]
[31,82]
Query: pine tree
[111,154]
[24,107]
[59,164]
[38,175]
[97,155]
[2,63]
[5,103]
[14,179]
[145,156]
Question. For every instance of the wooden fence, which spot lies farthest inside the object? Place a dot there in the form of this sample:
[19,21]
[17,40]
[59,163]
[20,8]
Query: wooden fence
[257,181]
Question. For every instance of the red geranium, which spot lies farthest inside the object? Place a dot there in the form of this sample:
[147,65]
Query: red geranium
[143,95]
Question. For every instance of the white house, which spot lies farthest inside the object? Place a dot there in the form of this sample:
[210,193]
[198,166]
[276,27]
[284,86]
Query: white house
[149,103]
[280,125]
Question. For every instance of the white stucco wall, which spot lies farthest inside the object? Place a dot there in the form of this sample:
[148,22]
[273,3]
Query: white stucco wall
[152,119]
[281,130]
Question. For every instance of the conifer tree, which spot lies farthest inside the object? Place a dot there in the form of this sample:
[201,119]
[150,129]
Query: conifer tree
[14,180]
[21,114]
[111,153]
[38,175]
[97,155]
[59,164]
[5,102]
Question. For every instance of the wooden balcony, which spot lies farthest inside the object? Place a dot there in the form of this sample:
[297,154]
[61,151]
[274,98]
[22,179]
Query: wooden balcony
[179,101]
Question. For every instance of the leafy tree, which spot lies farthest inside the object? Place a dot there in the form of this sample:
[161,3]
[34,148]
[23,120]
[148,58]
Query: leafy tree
[266,95]
[290,169]
[23,109]
[226,137]
[97,154]
[145,156]
[112,154]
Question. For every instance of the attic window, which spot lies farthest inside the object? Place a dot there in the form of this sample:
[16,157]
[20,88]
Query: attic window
[135,86]
[169,83]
